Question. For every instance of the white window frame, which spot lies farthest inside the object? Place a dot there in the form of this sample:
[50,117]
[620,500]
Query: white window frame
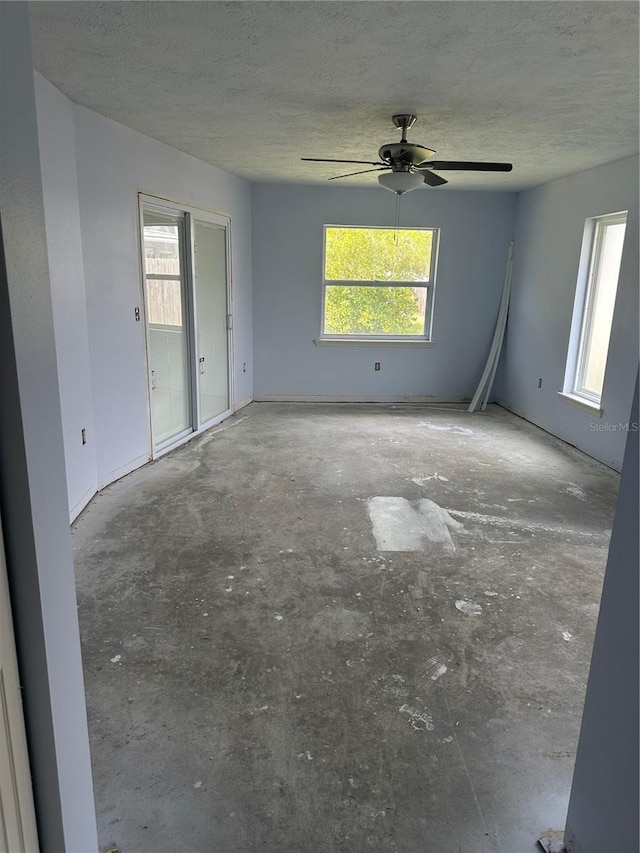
[394,340]
[582,325]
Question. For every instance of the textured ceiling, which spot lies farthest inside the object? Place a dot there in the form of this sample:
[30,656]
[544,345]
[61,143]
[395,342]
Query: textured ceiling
[252,86]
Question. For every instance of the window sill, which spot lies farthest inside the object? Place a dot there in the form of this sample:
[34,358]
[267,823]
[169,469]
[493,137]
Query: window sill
[371,342]
[581,403]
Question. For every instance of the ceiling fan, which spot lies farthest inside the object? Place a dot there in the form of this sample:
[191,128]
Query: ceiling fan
[407,165]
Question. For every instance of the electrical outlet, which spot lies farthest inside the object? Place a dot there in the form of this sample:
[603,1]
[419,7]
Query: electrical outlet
[244,366]
[539,383]
[376,366]
[84,435]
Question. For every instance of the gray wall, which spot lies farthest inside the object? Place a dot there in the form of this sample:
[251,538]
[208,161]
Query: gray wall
[548,239]
[603,810]
[287,261]
[93,169]
[64,247]
[33,497]
[114,163]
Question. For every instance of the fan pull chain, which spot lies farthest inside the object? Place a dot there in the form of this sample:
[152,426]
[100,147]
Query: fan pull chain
[397,219]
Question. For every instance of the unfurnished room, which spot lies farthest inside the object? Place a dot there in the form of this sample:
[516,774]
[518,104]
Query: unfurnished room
[319,427]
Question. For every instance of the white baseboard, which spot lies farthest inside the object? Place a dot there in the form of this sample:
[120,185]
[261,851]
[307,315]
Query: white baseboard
[75,511]
[133,465]
[139,461]
[118,473]
[348,398]
[610,463]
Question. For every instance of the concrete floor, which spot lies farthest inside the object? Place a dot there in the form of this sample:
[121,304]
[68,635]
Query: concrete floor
[260,677]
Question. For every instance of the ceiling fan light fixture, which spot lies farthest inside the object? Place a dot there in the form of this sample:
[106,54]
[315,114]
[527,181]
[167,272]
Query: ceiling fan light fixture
[400,182]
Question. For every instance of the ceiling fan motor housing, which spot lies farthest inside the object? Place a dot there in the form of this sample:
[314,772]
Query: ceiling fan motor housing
[405,154]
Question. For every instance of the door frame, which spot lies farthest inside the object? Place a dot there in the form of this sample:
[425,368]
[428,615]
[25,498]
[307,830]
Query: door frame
[191,212]
[17,810]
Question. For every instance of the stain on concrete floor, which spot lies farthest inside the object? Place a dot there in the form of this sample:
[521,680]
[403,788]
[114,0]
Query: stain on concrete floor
[261,677]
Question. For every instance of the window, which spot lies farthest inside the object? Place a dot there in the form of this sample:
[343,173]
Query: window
[162,253]
[593,308]
[378,283]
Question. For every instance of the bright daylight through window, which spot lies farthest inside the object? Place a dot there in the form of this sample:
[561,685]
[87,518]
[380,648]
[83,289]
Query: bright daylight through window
[378,282]
[162,271]
[593,309]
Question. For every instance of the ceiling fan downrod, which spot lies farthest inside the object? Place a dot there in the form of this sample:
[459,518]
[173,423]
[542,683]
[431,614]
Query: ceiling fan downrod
[405,122]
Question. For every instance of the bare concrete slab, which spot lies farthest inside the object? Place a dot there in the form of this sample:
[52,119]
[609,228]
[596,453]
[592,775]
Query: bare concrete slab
[340,628]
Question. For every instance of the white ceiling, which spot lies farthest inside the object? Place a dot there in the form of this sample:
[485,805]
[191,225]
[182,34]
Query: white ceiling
[252,86]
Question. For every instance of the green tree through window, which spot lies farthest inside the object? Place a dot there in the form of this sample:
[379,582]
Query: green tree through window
[377,255]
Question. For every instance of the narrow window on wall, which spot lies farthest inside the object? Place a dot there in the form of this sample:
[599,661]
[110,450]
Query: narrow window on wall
[378,283]
[593,308]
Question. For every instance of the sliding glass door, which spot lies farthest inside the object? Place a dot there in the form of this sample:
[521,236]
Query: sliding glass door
[167,327]
[188,319]
[210,274]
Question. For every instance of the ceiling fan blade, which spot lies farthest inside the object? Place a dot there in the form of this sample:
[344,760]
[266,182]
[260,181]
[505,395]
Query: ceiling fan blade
[465,166]
[329,160]
[363,172]
[432,179]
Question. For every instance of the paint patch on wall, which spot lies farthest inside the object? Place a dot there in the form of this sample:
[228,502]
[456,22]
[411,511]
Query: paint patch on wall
[397,526]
